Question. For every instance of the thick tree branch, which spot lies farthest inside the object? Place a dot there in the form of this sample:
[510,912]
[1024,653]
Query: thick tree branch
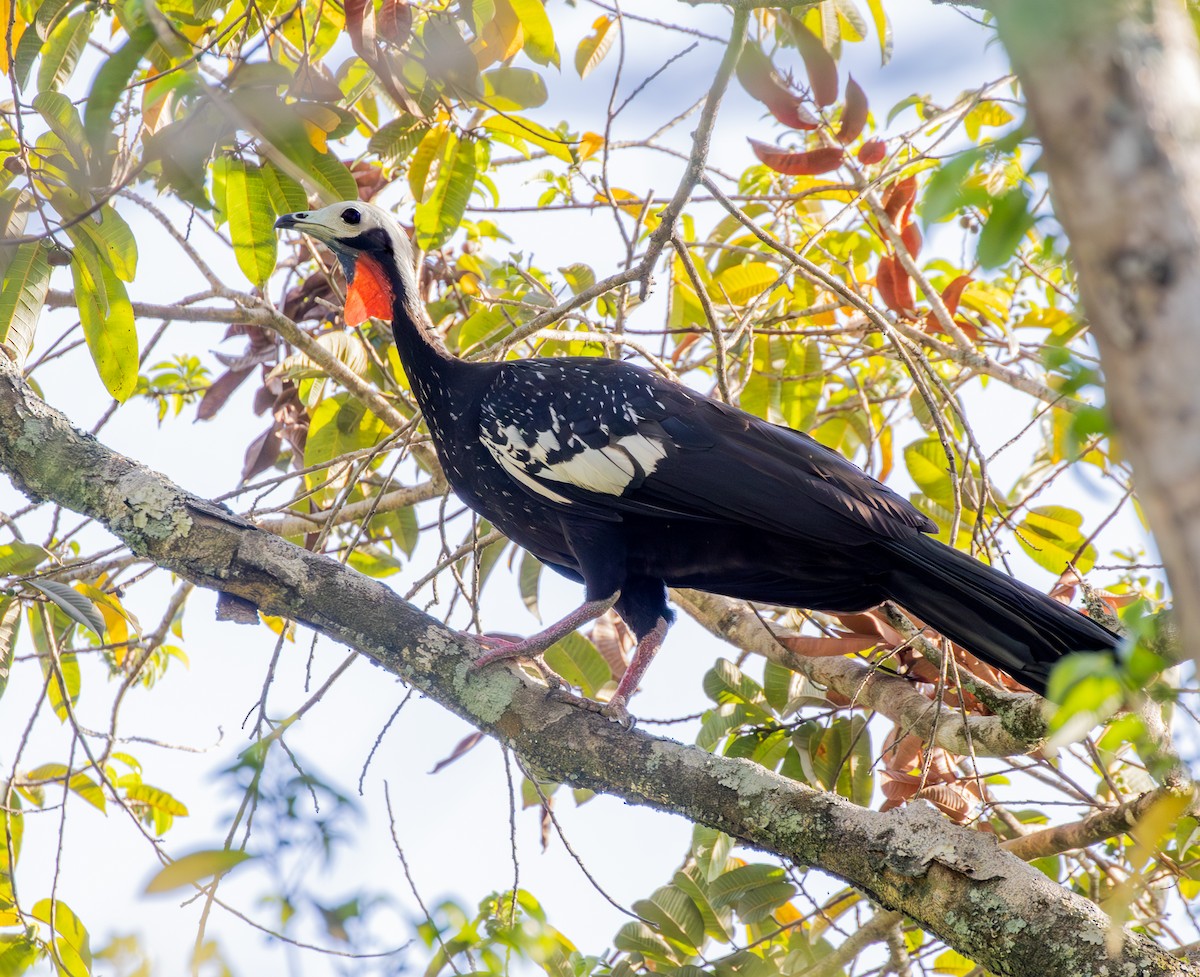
[955,882]
[1114,92]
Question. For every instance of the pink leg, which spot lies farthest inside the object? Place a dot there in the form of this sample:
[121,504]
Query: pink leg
[646,650]
[534,645]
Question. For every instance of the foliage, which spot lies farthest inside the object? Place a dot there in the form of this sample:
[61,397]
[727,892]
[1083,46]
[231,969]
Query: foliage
[872,275]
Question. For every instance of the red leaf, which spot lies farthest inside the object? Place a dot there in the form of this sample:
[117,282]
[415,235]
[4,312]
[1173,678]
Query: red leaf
[854,115]
[819,63]
[395,22]
[898,198]
[802,163]
[953,292]
[759,78]
[872,151]
[895,287]
[911,236]
[360,25]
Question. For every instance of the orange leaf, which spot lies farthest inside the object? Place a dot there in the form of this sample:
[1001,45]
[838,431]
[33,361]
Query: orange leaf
[910,234]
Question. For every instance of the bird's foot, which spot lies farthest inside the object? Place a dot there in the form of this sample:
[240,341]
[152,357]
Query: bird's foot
[503,647]
[612,711]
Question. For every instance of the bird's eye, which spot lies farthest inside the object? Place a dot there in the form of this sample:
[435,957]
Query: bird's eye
[351,216]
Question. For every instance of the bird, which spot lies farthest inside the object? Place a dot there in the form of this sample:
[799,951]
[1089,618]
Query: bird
[628,482]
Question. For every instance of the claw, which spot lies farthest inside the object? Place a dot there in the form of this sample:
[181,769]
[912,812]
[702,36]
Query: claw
[615,711]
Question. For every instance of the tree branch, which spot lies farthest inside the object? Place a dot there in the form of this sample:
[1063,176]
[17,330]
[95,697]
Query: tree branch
[955,882]
[1114,92]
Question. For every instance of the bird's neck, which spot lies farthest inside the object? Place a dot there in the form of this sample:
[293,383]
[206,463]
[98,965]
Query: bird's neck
[433,374]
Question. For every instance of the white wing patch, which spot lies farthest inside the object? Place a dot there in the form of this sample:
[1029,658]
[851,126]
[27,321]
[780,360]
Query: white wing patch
[607,470]
[610,469]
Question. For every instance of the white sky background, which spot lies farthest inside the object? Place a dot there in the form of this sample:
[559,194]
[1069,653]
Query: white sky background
[454,825]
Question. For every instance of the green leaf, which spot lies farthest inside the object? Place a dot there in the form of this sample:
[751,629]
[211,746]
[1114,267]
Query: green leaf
[579,277]
[339,425]
[394,141]
[758,903]
[927,464]
[22,296]
[107,319]
[192,868]
[717,922]
[61,54]
[729,887]
[106,91]
[725,682]
[640,938]
[577,660]
[251,220]
[70,937]
[77,607]
[442,211]
[88,789]
[675,914]
[17,954]
[60,114]
[529,576]
[507,88]
[10,625]
[539,35]
[55,693]
[332,177]
[1052,535]
[1006,225]
[114,240]
[286,195]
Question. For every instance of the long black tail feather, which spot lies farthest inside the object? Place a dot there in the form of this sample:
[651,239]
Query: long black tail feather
[1006,623]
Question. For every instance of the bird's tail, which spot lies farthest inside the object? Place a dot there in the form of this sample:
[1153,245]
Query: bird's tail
[1006,623]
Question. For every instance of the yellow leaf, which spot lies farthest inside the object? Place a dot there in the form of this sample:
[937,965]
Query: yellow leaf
[633,209]
[594,47]
[590,143]
[743,283]
[18,28]
[192,868]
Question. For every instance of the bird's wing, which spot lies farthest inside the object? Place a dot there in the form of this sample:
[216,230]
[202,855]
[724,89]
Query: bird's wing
[612,438]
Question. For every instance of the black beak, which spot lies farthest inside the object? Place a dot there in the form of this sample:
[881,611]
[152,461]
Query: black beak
[289,220]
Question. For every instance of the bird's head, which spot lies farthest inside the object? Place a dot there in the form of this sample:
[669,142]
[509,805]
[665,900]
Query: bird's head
[373,250]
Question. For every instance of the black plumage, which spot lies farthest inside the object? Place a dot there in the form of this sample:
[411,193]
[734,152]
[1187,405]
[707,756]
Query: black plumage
[630,483]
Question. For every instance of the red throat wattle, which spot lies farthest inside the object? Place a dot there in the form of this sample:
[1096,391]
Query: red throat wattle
[368,296]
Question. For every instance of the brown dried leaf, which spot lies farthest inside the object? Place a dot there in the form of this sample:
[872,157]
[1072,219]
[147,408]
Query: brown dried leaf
[219,392]
[464,746]
[811,647]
